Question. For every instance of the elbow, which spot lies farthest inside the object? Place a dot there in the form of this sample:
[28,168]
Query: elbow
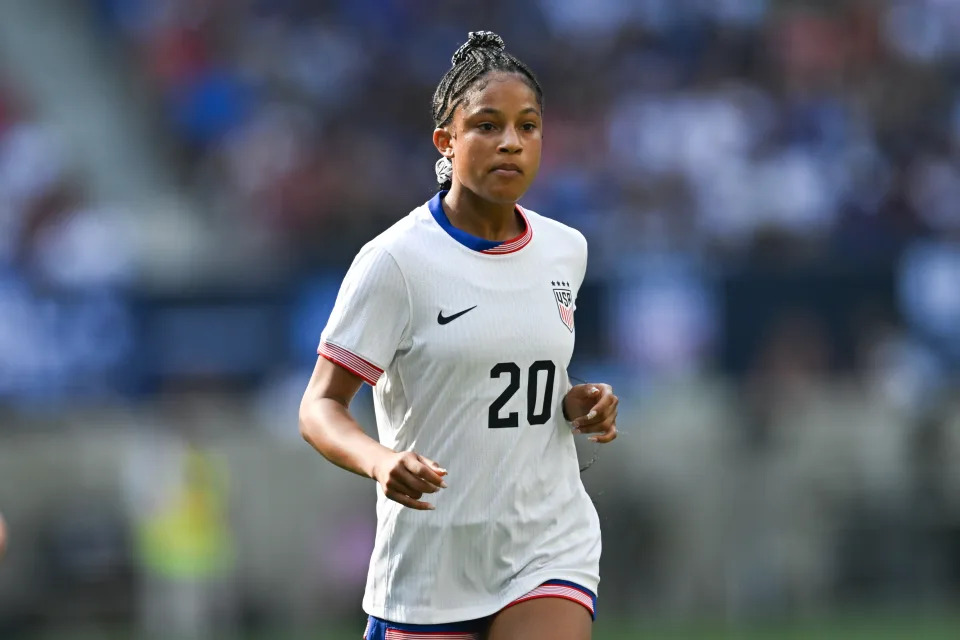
[317,419]
[306,431]
[313,421]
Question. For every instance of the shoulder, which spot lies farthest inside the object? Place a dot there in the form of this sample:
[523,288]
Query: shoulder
[556,231]
[401,236]
[393,243]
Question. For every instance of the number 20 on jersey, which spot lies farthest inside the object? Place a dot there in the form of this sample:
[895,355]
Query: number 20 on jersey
[514,374]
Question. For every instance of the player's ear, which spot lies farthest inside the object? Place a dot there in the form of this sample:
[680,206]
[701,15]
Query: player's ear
[443,141]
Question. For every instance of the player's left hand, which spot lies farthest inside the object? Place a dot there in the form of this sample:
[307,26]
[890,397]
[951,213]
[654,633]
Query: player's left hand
[593,409]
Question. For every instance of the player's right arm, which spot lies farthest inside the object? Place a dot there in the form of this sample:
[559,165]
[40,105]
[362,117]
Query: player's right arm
[327,425]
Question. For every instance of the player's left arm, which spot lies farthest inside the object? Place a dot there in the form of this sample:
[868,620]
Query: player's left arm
[592,408]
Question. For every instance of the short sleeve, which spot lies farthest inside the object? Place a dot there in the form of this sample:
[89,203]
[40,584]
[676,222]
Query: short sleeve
[369,318]
[585,252]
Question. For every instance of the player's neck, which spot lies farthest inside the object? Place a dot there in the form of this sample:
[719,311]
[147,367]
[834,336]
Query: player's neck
[482,218]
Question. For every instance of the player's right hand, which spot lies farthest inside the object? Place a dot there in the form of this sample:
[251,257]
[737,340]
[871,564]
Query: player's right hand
[405,476]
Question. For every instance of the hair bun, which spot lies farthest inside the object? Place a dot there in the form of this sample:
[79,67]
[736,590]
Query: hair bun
[478,40]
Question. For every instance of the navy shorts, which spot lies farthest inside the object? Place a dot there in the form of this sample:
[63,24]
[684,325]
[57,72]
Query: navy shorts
[378,629]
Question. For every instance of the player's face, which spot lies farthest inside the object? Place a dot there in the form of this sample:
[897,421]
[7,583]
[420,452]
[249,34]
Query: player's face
[497,138]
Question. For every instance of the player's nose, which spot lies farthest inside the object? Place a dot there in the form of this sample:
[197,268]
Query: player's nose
[511,141]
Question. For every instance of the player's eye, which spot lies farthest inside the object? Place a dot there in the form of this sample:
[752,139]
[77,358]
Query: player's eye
[528,126]
[486,126]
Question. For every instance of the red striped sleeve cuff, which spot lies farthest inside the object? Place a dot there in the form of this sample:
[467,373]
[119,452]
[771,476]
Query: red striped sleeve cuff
[351,362]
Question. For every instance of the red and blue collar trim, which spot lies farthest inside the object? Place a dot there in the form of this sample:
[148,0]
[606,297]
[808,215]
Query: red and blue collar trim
[471,241]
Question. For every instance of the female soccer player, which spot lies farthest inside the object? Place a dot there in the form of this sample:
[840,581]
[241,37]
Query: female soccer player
[461,317]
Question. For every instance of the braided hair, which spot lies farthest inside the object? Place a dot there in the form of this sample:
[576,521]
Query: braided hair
[482,53]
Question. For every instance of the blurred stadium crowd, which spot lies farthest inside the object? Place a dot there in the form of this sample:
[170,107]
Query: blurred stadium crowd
[770,192]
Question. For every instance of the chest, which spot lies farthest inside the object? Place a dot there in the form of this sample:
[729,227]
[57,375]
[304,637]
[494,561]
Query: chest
[493,312]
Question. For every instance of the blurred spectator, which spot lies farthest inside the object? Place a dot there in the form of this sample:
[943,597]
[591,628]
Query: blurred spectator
[64,330]
[738,121]
[178,496]
[929,291]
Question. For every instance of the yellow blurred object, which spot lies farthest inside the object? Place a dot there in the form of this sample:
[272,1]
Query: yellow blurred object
[189,537]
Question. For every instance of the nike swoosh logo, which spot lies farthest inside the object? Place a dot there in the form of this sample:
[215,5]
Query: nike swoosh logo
[445,319]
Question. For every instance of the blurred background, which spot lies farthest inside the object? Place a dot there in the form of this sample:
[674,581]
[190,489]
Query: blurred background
[771,193]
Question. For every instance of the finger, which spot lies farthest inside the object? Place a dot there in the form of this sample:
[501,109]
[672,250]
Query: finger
[605,407]
[424,471]
[586,392]
[397,484]
[604,399]
[401,480]
[608,436]
[408,479]
[407,501]
[433,465]
[599,427]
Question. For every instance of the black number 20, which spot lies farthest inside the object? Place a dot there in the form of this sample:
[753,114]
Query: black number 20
[512,420]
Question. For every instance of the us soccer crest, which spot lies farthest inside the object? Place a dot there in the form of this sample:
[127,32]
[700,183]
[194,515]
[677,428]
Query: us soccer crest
[564,298]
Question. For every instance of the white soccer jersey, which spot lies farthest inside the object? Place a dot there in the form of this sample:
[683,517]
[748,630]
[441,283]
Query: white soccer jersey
[467,344]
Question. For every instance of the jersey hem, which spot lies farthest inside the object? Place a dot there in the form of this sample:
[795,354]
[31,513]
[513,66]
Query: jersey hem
[408,615]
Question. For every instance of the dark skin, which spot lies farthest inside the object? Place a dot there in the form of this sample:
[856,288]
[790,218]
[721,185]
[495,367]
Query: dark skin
[494,141]
[326,423]
[541,619]
[497,125]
